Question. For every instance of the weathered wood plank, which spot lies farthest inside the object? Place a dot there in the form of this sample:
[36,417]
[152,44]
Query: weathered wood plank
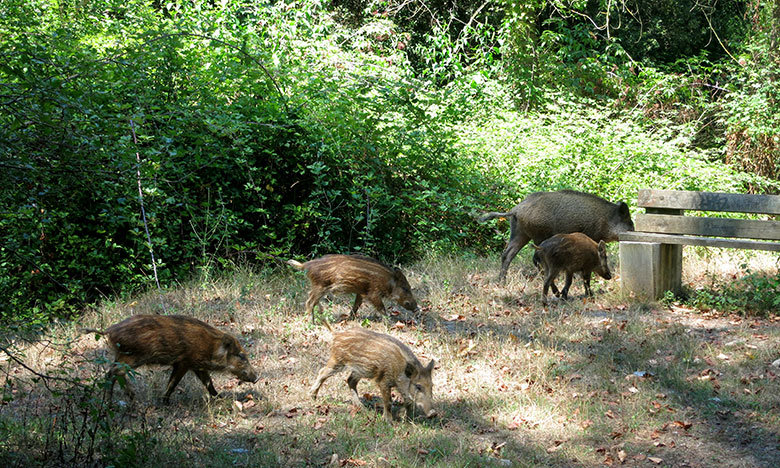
[697,240]
[709,201]
[718,227]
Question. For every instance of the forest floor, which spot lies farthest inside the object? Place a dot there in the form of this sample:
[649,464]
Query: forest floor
[608,381]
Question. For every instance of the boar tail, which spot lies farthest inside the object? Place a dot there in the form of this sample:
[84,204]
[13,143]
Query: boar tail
[493,215]
[295,264]
[92,330]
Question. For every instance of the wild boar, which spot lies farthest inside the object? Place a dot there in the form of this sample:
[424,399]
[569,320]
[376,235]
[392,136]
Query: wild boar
[358,274]
[182,342]
[541,215]
[385,360]
[572,253]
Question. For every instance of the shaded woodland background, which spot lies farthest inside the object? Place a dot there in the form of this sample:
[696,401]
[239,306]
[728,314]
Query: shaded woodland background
[305,127]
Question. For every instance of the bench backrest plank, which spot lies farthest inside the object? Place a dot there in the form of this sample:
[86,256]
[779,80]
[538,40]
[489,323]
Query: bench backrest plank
[719,227]
[709,201]
[698,240]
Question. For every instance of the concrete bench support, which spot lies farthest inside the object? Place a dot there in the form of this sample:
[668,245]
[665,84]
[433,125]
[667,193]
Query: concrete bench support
[649,269]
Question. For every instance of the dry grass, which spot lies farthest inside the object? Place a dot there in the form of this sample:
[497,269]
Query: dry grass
[516,385]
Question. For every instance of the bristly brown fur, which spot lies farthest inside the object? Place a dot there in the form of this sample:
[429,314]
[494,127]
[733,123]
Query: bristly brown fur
[541,215]
[179,341]
[385,360]
[572,253]
[359,275]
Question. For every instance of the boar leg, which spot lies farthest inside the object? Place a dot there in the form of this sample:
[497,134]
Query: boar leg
[356,305]
[544,268]
[352,382]
[384,389]
[325,373]
[406,396]
[315,295]
[376,301]
[119,370]
[586,281]
[548,280]
[176,374]
[206,379]
[565,291]
[516,242]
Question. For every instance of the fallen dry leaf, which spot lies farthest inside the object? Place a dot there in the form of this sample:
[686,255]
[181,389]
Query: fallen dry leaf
[353,462]
[467,349]
[555,447]
[684,424]
[656,460]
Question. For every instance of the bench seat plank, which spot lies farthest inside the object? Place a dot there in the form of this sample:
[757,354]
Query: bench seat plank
[702,226]
[698,240]
[709,201]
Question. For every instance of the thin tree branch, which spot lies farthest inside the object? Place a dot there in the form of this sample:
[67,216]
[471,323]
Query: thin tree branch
[143,215]
[45,377]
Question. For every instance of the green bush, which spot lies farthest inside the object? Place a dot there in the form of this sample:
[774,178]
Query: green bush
[281,128]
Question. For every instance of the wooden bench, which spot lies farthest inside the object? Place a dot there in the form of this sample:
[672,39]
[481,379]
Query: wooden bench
[651,256]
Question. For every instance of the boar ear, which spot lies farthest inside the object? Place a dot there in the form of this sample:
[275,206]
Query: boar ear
[623,209]
[602,246]
[228,345]
[410,370]
[430,366]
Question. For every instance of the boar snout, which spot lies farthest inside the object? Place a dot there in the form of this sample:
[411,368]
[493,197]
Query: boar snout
[248,376]
[411,306]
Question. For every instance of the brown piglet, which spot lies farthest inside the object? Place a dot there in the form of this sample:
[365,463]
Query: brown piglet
[572,253]
[357,274]
[182,342]
[385,360]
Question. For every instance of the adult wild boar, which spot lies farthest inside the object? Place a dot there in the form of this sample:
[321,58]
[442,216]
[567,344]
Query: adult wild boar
[541,215]
[358,274]
[182,342]
[385,360]
[572,253]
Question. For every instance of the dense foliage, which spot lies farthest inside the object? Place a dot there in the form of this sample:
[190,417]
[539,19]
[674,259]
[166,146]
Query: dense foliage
[295,128]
